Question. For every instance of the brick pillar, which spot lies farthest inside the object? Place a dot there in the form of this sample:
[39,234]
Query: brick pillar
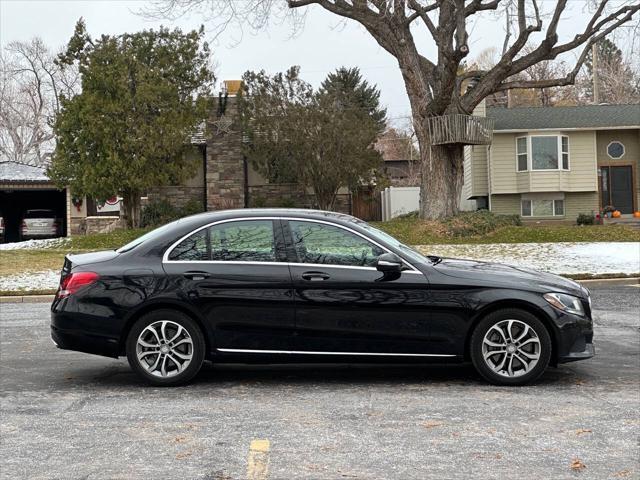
[225,167]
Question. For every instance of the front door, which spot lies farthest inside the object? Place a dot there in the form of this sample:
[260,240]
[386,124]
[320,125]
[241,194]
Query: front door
[616,187]
[235,273]
[343,304]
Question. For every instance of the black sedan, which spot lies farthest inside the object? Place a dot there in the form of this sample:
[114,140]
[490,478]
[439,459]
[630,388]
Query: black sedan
[281,285]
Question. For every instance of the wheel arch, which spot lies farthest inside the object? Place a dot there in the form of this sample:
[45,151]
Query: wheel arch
[165,305]
[528,307]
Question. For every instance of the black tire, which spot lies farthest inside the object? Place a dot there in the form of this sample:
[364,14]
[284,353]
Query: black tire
[197,353]
[495,318]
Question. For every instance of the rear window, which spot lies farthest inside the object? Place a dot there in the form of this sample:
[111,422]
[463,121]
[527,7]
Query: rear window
[40,214]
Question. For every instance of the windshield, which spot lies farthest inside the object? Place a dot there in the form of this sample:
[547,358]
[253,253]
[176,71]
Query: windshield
[385,237]
[147,236]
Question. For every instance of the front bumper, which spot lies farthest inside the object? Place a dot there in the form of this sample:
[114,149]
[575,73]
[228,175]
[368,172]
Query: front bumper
[588,352]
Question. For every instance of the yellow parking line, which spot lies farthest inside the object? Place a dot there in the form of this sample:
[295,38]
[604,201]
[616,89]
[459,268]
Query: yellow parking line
[258,461]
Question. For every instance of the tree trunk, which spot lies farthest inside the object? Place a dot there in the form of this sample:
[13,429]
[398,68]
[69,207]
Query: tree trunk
[442,178]
[131,204]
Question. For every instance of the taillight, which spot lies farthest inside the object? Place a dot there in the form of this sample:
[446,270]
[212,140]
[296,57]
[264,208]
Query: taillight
[75,281]
[24,225]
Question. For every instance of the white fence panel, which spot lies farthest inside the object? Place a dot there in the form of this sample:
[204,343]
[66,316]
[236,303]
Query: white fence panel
[399,200]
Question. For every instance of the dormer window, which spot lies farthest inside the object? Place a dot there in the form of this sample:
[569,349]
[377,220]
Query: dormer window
[542,152]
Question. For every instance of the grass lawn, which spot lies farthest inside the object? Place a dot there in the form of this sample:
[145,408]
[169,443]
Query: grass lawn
[416,232]
[19,261]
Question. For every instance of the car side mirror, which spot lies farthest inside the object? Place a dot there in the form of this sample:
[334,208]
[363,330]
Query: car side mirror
[389,263]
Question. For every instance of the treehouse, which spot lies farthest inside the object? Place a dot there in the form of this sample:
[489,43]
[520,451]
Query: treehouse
[461,129]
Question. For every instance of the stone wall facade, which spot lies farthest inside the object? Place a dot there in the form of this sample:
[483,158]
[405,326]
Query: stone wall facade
[225,166]
[178,196]
[97,224]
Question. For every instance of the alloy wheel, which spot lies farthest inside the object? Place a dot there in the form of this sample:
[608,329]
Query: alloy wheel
[511,348]
[164,348]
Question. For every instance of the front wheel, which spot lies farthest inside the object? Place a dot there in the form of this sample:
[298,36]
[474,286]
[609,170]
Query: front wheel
[510,347]
[165,348]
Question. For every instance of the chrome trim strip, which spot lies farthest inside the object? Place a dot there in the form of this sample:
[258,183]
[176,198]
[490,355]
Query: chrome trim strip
[318,265]
[165,257]
[302,352]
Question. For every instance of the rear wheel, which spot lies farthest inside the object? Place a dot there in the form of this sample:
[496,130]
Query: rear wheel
[510,347]
[165,348]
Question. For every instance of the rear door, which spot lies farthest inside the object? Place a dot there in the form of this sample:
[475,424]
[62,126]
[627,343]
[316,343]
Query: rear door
[344,304]
[235,272]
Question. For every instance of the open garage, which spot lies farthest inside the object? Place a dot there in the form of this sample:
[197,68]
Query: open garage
[25,187]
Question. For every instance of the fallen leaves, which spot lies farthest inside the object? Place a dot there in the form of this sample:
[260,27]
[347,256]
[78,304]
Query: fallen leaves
[622,473]
[577,465]
[582,431]
[432,424]
[183,455]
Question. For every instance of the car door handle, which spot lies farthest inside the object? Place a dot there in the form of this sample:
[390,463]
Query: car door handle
[316,276]
[196,275]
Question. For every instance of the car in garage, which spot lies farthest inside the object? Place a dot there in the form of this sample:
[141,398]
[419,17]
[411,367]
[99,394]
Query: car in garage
[40,223]
[284,285]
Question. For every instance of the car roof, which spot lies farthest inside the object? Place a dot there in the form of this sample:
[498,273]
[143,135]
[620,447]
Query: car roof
[274,212]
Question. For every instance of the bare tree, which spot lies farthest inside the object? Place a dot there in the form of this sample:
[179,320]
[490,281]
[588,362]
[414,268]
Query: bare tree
[32,83]
[433,84]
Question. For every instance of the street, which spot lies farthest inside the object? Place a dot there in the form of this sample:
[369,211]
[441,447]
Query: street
[69,415]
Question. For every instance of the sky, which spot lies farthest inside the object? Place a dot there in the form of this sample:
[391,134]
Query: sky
[323,45]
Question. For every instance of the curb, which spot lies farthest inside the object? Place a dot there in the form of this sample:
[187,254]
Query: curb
[27,299]
[603,282]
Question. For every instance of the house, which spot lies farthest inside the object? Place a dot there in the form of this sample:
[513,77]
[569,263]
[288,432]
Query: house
[553,163]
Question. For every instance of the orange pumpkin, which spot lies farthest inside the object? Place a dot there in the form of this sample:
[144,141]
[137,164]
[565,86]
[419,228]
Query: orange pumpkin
[616,214]
[636,214]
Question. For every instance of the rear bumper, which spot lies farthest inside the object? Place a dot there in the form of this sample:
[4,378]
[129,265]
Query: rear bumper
[82,342]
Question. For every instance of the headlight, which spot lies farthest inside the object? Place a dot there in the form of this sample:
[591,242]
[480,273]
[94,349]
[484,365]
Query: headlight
[567,303]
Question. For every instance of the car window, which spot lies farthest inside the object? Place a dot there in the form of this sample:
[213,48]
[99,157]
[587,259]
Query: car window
[244,241]
[192,248]
[329,245]
[40,214]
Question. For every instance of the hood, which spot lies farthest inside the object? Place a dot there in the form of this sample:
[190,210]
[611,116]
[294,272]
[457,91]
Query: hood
[93,257]
[507,275]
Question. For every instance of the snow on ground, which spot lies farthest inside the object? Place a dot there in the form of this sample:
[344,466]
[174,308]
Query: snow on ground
[45,280]
[35,244]
[562,258]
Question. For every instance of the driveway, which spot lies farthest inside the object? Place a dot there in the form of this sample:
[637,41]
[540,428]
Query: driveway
[69,415]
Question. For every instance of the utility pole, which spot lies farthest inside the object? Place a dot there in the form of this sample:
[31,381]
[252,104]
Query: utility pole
[596,80]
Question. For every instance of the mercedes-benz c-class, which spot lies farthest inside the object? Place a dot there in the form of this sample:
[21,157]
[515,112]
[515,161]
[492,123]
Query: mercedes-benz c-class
[282,285]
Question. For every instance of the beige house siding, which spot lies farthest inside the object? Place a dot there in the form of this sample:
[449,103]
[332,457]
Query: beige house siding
[505,204]
[574,204]
[475,171]
[580,177]
[631,141]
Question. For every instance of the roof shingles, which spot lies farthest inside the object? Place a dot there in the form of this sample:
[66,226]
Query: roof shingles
[584,117]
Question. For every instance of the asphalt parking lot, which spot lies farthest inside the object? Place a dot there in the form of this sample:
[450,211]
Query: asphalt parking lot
[70,415]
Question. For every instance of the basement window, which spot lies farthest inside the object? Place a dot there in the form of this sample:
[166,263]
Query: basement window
[542,207]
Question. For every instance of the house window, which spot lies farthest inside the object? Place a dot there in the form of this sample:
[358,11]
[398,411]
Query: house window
[544,153]
[564,142]
[542,207]
[615,150]
[548,152]
[521,145]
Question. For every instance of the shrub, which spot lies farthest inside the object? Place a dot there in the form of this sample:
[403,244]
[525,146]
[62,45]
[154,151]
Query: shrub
[161,211]
[479,222]
[585,219]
